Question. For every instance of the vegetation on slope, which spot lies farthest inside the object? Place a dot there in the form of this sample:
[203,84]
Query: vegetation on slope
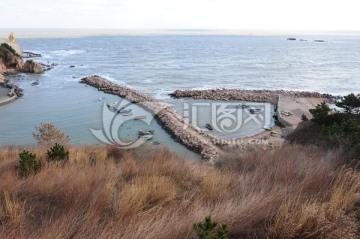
[5,50]
[105,192]
[340,131]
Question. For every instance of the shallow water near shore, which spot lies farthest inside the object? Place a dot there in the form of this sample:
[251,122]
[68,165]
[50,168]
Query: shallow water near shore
[75,112]
[3,93]
[158,65]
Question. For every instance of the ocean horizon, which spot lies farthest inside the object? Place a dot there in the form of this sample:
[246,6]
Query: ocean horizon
[88,32]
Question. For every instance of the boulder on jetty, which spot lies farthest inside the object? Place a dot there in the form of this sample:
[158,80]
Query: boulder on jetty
[270,96]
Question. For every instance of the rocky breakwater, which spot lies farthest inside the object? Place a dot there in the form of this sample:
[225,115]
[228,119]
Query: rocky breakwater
[270,96]
[181,130]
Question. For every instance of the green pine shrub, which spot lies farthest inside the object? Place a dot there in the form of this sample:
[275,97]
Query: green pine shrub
[28,164]
[209,229]
[57,153]
[304,118]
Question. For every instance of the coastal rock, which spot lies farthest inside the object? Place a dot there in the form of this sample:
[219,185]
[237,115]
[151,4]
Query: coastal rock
[14,90]
[11,62]
[2,66]
[14,45]
[2,79]
[31,66]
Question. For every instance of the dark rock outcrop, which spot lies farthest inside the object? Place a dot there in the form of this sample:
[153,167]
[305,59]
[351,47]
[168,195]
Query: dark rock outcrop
[11,62]
[31,66]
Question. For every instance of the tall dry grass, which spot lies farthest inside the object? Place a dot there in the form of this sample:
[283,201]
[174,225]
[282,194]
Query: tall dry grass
[104,192]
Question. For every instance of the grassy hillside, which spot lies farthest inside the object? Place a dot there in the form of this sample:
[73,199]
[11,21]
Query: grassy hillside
[102,192]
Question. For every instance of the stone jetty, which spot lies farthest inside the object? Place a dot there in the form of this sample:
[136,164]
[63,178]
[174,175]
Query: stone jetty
[279,98]
[269,96]
[182,131]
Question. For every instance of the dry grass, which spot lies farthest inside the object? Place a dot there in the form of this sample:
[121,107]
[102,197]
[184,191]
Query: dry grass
[102,192]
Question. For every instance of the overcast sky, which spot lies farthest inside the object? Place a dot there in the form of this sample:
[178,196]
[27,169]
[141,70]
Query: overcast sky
[298,15]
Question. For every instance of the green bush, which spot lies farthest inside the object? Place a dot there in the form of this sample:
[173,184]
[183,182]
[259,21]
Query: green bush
[9,48]
[209,230]
[2,54]
[304,118]
[345,134]
[28,164]
[320,113]
[279,124]
[57,153]
[4,49]
[350,103]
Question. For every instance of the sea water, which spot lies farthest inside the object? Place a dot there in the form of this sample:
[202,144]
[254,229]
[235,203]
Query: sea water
[158,65]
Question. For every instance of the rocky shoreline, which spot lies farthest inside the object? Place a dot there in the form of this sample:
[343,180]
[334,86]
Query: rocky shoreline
[182,131]
[268,96]
[11,63]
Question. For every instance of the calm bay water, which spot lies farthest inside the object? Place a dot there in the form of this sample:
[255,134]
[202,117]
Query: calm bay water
[159,65]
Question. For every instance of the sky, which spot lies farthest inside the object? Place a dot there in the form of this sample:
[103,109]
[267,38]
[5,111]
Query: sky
[270,15]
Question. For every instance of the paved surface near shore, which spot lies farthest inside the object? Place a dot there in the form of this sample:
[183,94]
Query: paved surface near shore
[295,102]
[297,107]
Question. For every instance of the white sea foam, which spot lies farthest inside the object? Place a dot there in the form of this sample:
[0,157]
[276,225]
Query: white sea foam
[66,52]
[162,94]
[148,80]
[206,87]
[112,78]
